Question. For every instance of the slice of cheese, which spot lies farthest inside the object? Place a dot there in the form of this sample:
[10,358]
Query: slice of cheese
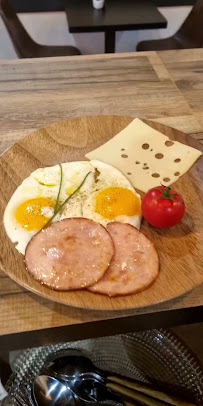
[145,156]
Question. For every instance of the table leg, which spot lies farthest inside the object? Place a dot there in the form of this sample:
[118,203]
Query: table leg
[110,39]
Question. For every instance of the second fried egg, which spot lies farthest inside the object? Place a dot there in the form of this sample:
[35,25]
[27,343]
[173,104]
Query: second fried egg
[113,198]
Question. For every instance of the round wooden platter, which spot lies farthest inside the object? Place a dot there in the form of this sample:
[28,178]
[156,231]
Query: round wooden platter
[179,248]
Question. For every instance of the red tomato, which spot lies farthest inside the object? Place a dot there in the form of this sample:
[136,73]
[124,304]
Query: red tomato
[162,207]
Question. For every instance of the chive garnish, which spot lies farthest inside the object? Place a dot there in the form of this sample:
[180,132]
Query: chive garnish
[66,201]
[45,184]
[59,191]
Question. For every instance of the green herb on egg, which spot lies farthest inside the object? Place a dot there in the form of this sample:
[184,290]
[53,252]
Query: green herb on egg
[59,191]
[45,184]
[66,201]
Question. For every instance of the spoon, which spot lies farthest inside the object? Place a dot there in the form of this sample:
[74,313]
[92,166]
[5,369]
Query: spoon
[73,366]
[48,391]
[80,372]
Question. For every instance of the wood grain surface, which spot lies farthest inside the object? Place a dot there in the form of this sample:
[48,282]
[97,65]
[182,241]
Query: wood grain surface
[35,93]
[179,249]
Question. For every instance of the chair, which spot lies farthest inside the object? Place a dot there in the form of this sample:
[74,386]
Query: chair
[190,35]
[24,45]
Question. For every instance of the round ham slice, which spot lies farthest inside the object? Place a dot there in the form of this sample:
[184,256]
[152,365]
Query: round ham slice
[70,254]
[135,264]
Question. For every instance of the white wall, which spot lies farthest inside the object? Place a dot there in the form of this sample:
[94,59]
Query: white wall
[51,28]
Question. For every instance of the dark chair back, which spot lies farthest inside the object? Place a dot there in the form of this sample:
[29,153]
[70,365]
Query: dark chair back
[22,42]
[191,32]
[24,45]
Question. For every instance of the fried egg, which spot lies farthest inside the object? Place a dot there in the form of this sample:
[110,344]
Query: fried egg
[113,198]
[105,196]
[33,203]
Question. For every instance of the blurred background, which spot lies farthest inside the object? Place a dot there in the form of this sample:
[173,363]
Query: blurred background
[46,22]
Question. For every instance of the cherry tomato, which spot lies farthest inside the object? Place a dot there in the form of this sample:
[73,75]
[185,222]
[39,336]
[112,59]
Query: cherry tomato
[163,207]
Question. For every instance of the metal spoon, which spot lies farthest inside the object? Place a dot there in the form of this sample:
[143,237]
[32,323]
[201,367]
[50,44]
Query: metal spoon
[83,377]
[73,366]
[48,391]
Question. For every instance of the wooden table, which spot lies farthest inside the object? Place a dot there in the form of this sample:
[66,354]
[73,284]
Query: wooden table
[166,87]
[117,15]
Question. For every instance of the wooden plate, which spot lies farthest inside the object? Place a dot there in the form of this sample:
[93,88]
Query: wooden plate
[180,248]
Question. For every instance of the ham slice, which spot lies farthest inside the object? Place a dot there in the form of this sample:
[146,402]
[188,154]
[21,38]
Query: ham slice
[135,264]
[70,254]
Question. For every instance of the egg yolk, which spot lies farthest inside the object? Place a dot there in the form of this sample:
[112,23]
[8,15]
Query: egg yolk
[30,213]
[117,201]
